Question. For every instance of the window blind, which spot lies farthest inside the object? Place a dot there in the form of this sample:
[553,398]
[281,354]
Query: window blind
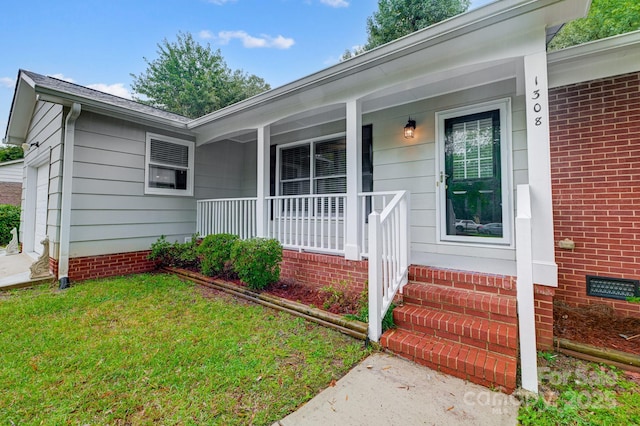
[169,153]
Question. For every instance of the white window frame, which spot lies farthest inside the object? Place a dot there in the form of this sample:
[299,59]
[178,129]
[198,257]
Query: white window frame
[312,164]
[506,170]
[188,192]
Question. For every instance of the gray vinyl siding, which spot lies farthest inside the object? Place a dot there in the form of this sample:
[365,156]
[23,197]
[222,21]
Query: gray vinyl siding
[222,170]
[110,213]
[46,129]
[11,172]
[401,164]
[250,172]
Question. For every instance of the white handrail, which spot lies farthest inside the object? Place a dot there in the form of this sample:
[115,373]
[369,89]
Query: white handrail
[370,202]
[388,258]
[525,296]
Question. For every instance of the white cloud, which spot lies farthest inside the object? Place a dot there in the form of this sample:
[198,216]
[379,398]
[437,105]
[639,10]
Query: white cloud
[206,34]
[250,42]
[116,89]
[221,2]
[60,76]
[335,3]
[6,82]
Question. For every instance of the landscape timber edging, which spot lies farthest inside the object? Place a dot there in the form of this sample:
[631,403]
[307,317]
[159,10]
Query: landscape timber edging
[351,328]
[623,360]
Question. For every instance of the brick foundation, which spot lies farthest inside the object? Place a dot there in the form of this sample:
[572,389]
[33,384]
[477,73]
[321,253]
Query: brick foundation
[543,311]
[595,170]
[320,270]
[90,267]
[10,193]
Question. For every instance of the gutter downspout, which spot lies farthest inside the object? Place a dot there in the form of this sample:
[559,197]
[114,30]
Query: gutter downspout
[65,205]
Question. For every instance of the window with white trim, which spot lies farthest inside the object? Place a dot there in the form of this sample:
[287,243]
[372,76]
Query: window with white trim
[316,167]
[169,165]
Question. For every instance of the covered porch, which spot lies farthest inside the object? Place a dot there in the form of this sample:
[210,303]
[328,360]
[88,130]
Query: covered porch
[323,164]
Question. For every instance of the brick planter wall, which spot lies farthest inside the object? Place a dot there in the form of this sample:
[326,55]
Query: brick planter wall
[595,169]
[90,267]
[320,270]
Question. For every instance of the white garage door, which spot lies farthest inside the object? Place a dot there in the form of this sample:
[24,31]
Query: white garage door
[42,196]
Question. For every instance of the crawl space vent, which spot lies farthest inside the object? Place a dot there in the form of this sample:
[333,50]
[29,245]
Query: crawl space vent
[613,288]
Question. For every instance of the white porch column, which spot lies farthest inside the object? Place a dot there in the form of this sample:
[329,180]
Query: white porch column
[545,270]
[354,180]
[263,176]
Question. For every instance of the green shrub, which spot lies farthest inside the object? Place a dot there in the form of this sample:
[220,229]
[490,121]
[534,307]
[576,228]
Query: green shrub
[257,261]
[182,255]
[215,254]
[9,219]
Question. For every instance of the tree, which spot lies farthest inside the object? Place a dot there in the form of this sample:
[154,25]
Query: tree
[8,153]
[397,18]
[192,80]
[606,18]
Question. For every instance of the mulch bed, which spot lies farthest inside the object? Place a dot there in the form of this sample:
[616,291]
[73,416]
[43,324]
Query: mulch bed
[305,294]
[596,325]
[297,292]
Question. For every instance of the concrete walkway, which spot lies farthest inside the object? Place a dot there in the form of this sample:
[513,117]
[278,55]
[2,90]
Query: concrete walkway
[388,390]
[14,271]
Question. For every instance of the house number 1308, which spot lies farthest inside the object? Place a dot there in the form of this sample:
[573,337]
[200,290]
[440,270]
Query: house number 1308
[537,107]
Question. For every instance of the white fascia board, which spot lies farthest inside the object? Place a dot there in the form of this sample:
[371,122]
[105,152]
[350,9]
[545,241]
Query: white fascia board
[494,13]
[22,106]
[597,59]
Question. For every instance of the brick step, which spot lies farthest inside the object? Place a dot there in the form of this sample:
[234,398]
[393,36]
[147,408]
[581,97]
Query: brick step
[469,363]
[477,332]
[496,307]
[475,281]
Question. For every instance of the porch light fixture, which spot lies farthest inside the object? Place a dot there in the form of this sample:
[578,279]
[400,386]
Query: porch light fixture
[26,146]
[410,129]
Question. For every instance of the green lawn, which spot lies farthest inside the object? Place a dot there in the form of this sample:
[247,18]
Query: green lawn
[152,349]
[575,392]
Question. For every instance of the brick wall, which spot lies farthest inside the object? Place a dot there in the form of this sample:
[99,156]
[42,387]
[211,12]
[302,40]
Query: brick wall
[10,193]
[90,267]
[543,312]
[595,168]
[320,270]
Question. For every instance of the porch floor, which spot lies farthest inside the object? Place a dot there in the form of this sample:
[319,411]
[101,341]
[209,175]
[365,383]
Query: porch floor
[15,273]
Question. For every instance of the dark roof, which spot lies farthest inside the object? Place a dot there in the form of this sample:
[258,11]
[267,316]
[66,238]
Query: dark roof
[85,92]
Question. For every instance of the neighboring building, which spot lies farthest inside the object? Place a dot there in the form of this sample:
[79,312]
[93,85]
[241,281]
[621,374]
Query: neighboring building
[307,162]
[11,182]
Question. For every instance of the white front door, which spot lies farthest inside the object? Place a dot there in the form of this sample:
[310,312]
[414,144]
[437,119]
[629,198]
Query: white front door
[42,197]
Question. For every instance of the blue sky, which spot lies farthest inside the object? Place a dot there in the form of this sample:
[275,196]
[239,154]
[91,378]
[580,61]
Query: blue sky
[100,43]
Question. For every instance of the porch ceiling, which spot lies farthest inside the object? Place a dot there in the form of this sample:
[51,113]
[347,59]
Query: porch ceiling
[422,87]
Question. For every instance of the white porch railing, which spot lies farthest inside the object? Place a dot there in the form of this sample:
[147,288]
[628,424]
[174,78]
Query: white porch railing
[388,258]
[227,216]
[308,222]
[371,202]
[525,296]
